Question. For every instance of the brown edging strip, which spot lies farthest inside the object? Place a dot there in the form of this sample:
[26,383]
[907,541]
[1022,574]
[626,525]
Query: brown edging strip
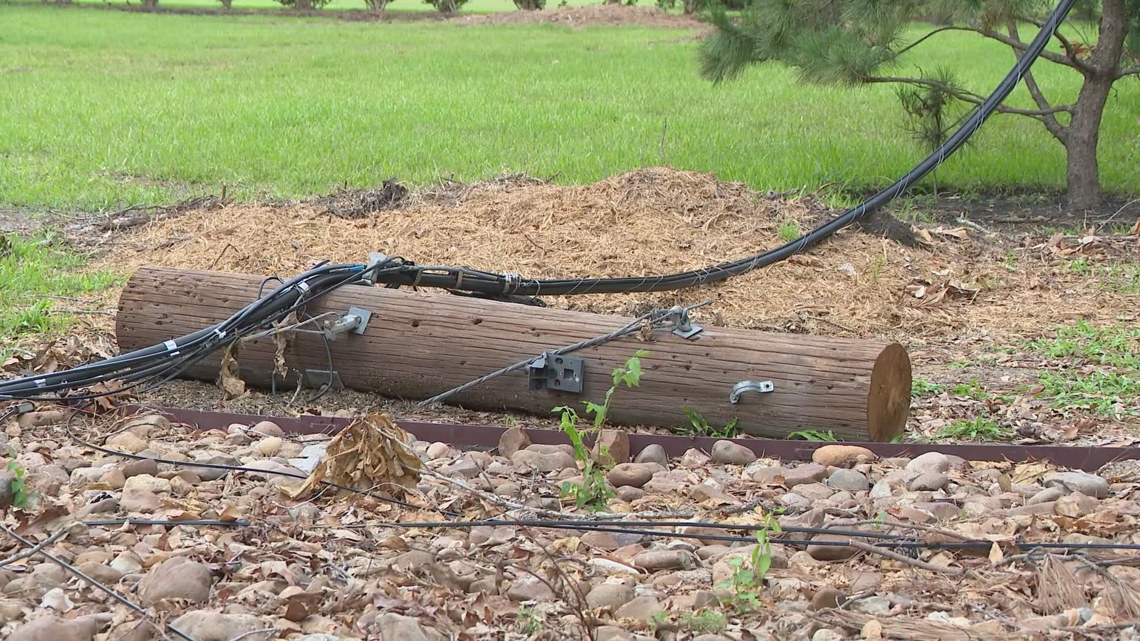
[487,437]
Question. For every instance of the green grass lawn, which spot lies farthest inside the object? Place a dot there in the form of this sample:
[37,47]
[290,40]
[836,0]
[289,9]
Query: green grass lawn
[101,109]
[472,6]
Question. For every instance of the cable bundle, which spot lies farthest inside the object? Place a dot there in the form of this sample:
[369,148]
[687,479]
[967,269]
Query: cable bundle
[155,365]
[160,363]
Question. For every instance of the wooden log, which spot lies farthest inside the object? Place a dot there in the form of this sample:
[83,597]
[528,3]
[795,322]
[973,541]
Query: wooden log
[417,345]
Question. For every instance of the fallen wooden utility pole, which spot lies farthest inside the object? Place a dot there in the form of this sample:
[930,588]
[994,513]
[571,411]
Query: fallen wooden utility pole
[414,345]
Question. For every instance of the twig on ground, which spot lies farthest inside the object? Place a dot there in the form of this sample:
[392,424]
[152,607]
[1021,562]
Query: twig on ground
[512,505]
[138,609]
[895,556]
[246,635]
[34,549]
[916,526]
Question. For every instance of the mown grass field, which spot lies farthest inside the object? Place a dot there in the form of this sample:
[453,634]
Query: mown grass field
[102,109]
[472,6]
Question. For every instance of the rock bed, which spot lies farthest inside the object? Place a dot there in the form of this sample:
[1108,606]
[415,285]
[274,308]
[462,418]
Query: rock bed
[250,564]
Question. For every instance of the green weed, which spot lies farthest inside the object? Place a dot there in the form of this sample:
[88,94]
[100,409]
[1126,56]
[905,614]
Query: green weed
[19,487]
[1102,393]
[747,583]
[594,493]
[699,426]
[978,429]
[920,387]
[529,621]
[1111,346]
[973,390]
[33,270]
[789,230]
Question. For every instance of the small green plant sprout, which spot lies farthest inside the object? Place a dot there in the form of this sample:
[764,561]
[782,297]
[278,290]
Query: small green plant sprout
[699,426]
[920,387]
[18,487]
[973,390]
[529,621]
[813,435]
[980,428]
[789,230]
[593,493]
[747,582]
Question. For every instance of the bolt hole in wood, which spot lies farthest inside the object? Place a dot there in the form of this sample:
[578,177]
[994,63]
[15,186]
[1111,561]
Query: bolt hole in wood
[476,321]
[415,323]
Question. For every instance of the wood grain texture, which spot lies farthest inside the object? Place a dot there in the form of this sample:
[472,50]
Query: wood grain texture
[419,344]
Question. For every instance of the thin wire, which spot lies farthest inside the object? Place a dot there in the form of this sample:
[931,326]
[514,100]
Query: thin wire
[654,317]
[238,468]
[106,590]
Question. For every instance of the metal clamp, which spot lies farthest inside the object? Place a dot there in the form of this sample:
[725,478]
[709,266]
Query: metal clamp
[762,387]
[355,321]
[374,259]
[682,325]
[556,372]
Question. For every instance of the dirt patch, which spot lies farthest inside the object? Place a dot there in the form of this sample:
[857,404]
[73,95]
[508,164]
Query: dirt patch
[654,221]
[599,14]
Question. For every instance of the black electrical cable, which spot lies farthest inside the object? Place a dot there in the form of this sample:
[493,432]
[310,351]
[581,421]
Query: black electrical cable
[148,364]
[635,527]
[466,280]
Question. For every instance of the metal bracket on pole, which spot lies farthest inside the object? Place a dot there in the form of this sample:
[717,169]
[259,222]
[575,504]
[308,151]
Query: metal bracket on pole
[317,378]
[374,258]
[556,372]
[762,387]
[355,321]
[682,325]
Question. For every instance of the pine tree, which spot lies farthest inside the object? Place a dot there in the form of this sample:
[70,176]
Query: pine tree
[855,42]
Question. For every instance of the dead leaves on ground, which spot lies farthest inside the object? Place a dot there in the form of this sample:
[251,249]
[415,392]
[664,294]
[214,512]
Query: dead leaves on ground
[371,453]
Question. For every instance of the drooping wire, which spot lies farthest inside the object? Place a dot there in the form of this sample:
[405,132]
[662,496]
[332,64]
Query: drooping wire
[161,363]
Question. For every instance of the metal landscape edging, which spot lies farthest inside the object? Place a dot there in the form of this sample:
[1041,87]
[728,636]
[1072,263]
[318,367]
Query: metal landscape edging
[1088,458]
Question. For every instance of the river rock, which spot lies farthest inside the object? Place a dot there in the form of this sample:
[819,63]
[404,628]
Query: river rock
[176,578]
[653,453]
[850,480]
[729,453]
[1083,482]
[632,474]
[203,625]
[842,455]
[929,462]
[609,595]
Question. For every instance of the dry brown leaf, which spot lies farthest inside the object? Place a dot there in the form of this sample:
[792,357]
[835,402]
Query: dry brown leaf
[280,344]
[957,232]
[996,554]
[228,379]
[371,453]
[229,514]
[1135,231]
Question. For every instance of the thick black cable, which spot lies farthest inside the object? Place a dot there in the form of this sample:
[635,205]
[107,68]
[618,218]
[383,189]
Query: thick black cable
[294,293]
[501,285]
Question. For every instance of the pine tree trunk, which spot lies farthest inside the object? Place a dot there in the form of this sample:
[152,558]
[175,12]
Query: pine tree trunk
[1082,174]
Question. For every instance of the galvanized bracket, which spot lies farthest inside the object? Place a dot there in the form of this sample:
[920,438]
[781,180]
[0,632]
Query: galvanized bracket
[318,378]
[762,387]
[374,258]
[556,372]
[682,325]
[355,321]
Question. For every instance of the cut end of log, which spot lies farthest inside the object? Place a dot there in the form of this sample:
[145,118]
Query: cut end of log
[888,400]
